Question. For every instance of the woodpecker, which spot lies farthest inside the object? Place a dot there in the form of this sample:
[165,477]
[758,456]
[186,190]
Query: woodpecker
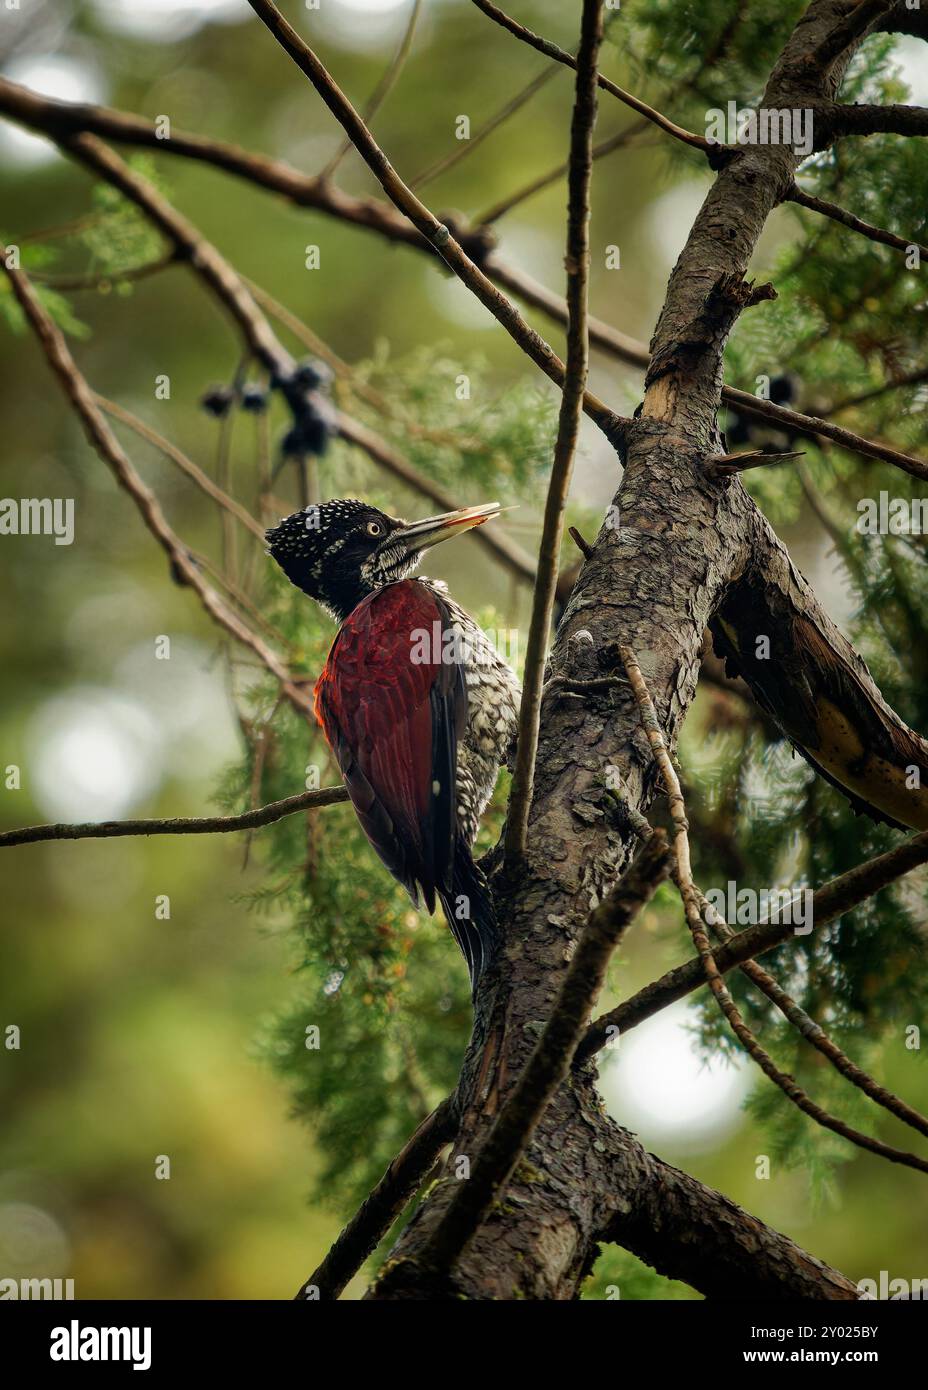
[415,702]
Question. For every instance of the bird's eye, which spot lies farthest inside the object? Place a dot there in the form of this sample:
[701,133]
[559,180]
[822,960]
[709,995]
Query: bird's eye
[374,528]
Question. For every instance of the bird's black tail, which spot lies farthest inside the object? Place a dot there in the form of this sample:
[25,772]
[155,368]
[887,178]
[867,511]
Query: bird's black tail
[470,913]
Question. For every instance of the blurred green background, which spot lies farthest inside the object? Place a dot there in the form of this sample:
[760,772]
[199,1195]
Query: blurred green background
[142,1036]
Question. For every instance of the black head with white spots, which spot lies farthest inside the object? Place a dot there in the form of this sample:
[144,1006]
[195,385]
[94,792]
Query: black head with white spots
[339,552]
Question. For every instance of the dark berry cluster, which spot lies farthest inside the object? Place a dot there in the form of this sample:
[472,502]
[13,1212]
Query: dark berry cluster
[305,389]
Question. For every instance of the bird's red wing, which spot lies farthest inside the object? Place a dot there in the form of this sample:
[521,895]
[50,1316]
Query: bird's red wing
[393,723]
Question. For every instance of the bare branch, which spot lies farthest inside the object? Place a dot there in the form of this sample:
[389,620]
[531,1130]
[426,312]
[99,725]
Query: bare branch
[856,224]
[383,1205]
[60,119]
[178,825]
[577,261]
[551,50]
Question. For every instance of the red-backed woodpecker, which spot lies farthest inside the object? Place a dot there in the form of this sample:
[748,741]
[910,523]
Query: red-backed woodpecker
[415,702]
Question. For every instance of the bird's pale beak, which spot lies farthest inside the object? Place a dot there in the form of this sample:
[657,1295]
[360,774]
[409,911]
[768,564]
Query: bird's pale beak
[419,535]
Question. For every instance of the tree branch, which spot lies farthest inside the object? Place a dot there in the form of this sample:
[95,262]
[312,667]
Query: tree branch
[202,480]
[383,1205]
[848,30]
[577,261]
[863,119]
[687,1231]
[178,825]
[813,425]
[856,224]
[551,50]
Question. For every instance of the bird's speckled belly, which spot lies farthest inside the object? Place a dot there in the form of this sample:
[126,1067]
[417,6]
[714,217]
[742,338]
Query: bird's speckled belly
[493,695]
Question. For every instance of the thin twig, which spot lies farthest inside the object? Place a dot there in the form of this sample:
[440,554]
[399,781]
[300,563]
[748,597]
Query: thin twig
[93,280]
[914,378]
[238,594]
[536,185]
[110,450]
[177,825]
[813,1032]
[847,219]
[466,147]
[383,1205]
[383,89]
[203,481]
[577,261]
[551,50]
[692,909]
